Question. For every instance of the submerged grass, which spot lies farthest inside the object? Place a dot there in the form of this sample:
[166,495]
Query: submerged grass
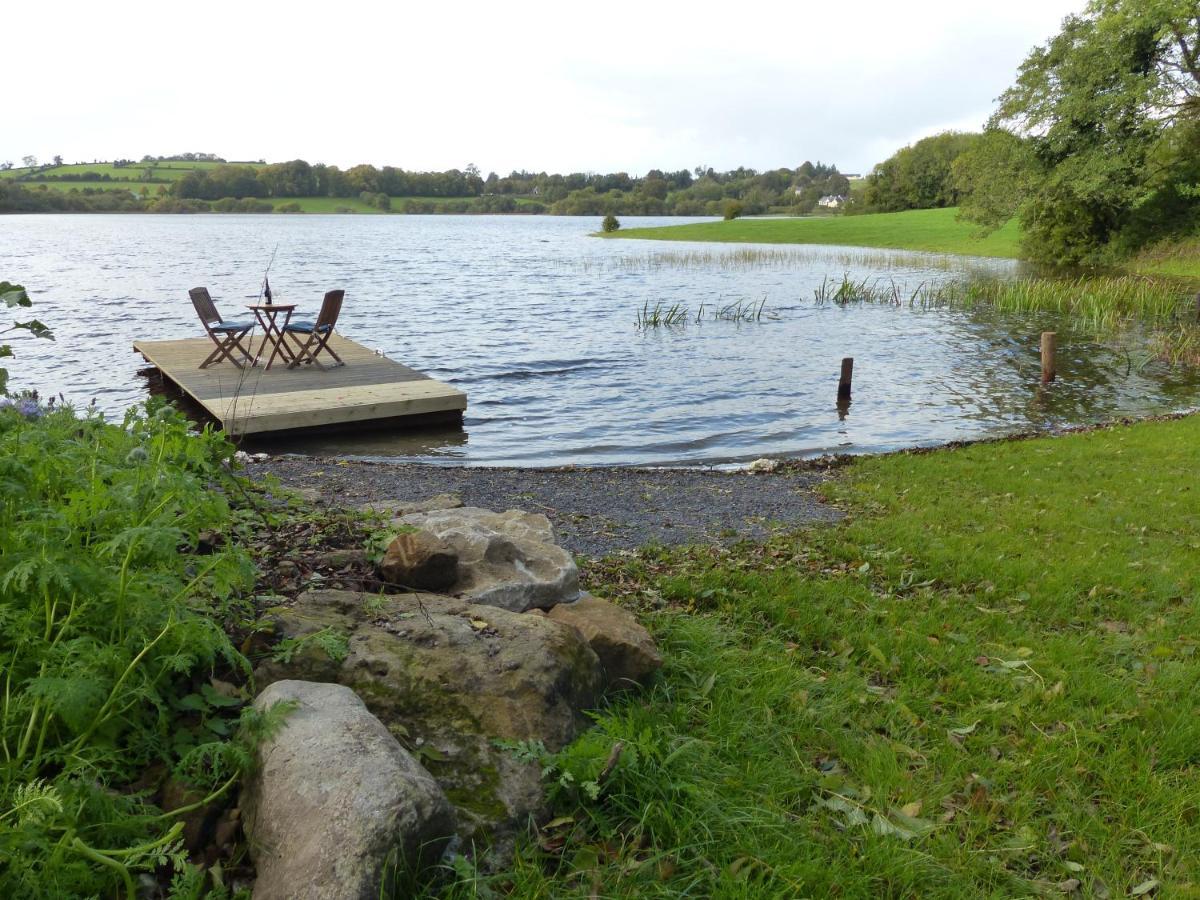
[982,683]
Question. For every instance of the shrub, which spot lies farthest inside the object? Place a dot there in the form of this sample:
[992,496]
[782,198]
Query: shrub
[732,209]
[610,224]
[289,208]
[110,629]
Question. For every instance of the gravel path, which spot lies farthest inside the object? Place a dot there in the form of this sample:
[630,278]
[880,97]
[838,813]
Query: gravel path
[595,511]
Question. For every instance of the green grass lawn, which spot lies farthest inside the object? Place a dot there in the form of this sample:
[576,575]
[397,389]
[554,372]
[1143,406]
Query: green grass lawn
[983,683]
[934,230]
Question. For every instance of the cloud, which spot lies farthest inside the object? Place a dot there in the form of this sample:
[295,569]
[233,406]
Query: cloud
[541,86]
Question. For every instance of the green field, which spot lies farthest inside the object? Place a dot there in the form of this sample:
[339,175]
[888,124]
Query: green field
[932,230]
[981,684]
[134,172]
[136,186]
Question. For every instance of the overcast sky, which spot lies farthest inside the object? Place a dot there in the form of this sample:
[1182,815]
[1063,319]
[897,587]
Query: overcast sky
[560,87]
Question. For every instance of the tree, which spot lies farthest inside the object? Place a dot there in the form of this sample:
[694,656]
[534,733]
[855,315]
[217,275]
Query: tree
[920,176]
[58,160]
[6,165]
[1110,112]
[610,224]
[29,161]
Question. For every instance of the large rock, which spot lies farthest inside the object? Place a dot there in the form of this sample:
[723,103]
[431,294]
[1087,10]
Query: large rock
[627,652]
[450,678]
[421,561]
[336,806]
[507,559]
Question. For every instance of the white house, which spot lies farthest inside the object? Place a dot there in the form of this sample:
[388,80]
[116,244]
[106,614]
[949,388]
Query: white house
[831,201]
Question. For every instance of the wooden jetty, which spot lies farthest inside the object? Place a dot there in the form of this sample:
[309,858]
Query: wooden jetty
[369,391]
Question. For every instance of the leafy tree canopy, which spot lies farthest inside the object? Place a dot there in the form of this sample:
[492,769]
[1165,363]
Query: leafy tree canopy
[1108,118]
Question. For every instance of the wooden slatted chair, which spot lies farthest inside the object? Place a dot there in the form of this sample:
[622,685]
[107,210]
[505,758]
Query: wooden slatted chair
[227,336]
[318,332]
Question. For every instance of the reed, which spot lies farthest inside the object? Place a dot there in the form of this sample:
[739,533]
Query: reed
[1101,304]
[739,312]
[661,315]
[745,259]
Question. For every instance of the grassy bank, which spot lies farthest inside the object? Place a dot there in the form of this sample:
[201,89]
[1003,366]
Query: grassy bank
[930,230]
[981,684]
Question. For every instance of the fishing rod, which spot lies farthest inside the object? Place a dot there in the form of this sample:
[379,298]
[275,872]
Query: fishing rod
[265,290]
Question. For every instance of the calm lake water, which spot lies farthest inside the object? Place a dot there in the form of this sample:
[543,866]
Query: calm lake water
[537,322]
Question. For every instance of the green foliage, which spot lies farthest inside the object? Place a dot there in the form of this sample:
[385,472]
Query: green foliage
[108,620]
[920,176]
[733,209]
[14,296]
[330,641]
[610,224]
[994,177]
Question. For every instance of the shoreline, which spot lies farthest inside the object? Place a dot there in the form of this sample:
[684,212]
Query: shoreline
[612,509]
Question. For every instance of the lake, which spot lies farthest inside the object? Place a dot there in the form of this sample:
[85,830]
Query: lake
[538,323]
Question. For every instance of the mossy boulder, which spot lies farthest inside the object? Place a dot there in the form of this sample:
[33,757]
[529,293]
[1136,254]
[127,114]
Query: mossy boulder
[449,679]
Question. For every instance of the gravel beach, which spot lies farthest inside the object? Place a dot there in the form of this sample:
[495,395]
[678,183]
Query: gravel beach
[595,511]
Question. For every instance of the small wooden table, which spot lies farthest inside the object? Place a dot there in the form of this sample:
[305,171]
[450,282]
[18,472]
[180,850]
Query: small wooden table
[268,315]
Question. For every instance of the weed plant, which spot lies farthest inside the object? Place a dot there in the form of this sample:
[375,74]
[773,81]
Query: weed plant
[109,619]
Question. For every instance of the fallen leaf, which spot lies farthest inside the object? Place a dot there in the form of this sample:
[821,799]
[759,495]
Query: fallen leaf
[911,809]
[1070,886]
[1144,888]
[964,730]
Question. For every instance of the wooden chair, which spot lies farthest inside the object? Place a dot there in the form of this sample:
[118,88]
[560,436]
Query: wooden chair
[227,336]
[318,332]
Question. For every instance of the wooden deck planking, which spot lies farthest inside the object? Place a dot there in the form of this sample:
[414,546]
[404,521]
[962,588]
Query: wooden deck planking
[248,401]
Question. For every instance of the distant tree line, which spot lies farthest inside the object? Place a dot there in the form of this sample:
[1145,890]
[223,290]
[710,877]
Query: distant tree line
[703,191]
[184,157]
[300,179]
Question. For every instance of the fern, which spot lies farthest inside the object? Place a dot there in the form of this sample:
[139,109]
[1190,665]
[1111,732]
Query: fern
[34,803]
[104,625]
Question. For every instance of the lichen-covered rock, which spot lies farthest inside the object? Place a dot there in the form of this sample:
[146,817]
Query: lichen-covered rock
[419,561]
[507,559]
[336,806]
[450,679]
[627,652]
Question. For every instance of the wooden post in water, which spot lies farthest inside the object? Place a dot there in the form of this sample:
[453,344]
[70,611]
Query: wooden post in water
[1049,343]
[845,380]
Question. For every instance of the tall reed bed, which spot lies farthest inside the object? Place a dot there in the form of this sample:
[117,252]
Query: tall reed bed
[1102,305]
[746,259]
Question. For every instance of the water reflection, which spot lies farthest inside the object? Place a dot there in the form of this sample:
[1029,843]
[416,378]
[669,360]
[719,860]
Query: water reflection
[536,322]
